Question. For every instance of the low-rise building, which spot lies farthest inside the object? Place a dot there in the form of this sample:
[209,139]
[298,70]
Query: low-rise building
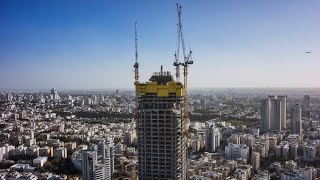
[39,161]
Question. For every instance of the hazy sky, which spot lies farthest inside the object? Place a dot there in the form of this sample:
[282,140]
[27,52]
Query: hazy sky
[90,44]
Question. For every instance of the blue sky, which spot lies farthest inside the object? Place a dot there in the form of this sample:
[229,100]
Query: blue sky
[90,44]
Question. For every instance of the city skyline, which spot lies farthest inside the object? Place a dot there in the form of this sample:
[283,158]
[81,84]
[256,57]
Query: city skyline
[82,45]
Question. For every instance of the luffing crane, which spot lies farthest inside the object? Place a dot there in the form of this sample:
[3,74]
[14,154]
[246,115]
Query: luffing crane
[136,64]
[187,60]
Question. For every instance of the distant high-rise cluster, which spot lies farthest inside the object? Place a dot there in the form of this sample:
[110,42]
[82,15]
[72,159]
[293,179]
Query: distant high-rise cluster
[6,97]
[54,94]
[274,113]
[296,124]
[98,163]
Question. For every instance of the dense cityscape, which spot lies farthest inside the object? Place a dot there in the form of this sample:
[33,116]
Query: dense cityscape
[233,134]
[157,127]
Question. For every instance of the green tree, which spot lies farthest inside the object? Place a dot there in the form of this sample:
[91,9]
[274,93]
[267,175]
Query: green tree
[2,138]
[48,166]
[14,140]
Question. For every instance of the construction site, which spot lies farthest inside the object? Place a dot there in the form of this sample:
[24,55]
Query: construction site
[162,117]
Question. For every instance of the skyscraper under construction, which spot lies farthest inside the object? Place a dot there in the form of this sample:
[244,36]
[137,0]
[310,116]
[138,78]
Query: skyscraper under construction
[161,144]
[162,120]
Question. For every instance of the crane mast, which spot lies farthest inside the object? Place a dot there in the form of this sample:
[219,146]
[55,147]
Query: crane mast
[187,60]
[136,64]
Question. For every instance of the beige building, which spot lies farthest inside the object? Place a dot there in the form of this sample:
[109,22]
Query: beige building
[255,161]
[46,151]
[60,152]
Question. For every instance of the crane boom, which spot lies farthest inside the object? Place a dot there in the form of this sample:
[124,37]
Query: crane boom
[177,54]
[180,30]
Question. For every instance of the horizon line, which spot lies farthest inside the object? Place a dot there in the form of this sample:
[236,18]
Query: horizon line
[132,89]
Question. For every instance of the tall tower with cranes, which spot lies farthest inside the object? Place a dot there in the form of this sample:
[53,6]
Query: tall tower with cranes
[162,118]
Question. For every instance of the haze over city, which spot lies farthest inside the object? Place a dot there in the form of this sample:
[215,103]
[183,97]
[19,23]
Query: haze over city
[153,90]
[85,45]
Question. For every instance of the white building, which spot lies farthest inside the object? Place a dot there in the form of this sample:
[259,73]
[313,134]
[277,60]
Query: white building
[213,138]
[105,150]
[89,164]
[39,161]
[98,164]
[6,151]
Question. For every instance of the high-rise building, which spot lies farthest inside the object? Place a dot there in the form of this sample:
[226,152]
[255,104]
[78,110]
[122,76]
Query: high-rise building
[213,138]
[296,124]
[89,164]
[98,164]
[283,109]
[105,151]
[162,140]
[306,102]
[265,114]
[273,113]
